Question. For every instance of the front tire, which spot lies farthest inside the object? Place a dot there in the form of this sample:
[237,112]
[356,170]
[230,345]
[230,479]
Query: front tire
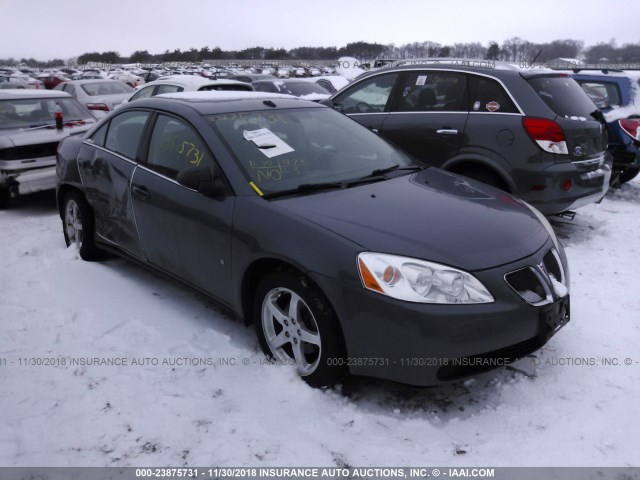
[78,225]
[296,324]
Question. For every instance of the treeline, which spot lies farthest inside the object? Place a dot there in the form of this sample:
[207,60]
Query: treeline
[514,50]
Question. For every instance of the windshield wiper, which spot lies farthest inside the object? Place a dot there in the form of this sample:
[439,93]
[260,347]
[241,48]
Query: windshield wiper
[52,125]
[382,171]
[308,187]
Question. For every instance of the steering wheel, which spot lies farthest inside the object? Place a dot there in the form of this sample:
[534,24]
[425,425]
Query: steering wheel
[363,107]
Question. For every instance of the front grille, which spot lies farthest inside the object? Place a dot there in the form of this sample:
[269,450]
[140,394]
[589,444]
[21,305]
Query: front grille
[461,367]
[553,266]
[29,151]
[527,283]
[539,285]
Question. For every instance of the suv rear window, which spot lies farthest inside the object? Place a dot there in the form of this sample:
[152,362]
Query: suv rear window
[564,96]
[603,94]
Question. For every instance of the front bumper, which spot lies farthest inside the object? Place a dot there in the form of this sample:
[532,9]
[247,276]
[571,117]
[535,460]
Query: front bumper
[423,345]
[22,177]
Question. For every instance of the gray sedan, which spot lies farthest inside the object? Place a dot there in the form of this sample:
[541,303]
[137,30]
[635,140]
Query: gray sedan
[345,254]
[99,96]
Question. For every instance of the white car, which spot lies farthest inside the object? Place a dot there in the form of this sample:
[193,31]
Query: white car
[185,83]
[127,77]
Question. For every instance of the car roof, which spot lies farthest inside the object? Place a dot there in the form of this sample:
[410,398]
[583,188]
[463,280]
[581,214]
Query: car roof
[212,102]
[487,67]
[10,94]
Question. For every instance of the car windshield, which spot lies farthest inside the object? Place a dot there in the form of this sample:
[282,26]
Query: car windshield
[282,150]
[563,96]
[106,88]
[36,112]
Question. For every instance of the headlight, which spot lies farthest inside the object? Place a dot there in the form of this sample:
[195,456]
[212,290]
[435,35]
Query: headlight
[419,281]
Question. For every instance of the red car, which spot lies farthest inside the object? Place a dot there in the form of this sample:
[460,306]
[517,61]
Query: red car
[50,80]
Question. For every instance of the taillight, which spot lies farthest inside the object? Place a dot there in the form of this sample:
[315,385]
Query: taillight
[547,134]
[631,127]
[98,106]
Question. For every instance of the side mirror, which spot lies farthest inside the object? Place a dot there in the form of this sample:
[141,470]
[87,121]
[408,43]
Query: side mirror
[201,179]
[327,102]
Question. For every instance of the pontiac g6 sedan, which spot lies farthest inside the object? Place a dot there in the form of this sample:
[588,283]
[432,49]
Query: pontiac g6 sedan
[346,255]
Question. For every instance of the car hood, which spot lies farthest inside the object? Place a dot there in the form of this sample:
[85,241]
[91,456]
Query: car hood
[21,137]
[432,215]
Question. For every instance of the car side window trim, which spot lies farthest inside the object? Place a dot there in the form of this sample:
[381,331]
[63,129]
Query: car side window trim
[428,69]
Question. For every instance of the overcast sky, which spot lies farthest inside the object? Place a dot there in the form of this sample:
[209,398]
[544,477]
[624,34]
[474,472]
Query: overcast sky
[46,29]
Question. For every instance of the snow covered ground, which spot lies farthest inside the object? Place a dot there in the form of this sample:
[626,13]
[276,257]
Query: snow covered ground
[562,407]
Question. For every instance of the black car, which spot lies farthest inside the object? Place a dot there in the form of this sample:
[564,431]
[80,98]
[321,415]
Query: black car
[346,254]
[532,133]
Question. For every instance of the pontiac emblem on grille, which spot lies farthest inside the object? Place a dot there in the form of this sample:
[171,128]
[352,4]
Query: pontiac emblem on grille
[542,268]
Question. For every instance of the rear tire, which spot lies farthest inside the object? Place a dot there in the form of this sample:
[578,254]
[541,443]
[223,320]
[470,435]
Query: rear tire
[627,175]
[78,226]
[296,325]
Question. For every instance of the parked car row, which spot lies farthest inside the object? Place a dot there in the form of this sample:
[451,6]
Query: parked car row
[378,244]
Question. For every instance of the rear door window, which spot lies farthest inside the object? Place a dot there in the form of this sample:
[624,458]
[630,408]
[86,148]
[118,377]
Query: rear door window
[125,133]
[563,96]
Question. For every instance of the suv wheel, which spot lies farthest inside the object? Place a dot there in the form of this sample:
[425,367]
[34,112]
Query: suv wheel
[296,325]
[628,174]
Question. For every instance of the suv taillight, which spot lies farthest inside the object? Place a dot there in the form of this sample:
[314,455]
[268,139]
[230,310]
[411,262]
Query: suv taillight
[631,127]
[547,134]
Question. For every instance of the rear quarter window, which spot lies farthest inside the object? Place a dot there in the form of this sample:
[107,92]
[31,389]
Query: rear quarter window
[563,96]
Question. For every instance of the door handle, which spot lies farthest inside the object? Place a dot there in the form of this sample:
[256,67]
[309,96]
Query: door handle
[447,131]
[140,191]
